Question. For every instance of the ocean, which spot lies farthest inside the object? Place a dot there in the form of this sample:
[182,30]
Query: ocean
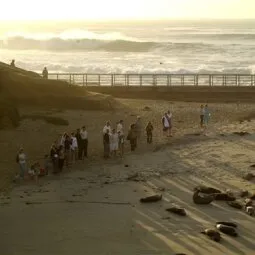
[210,46]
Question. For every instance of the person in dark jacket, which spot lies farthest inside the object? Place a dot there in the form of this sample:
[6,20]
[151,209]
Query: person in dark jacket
[79,142]
[149,129]
[132,137]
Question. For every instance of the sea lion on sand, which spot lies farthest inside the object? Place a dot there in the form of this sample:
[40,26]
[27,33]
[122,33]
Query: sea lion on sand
[252,196]
[250,210]
[247,202]
[244,193]
[151,199]
[248,176]
[227,230]
[177,210]
[235,204]
[212,234]
[202,200]
[224,197]
[206,190]
[227,223]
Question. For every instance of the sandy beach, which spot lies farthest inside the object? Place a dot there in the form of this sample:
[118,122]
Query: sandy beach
[95,208]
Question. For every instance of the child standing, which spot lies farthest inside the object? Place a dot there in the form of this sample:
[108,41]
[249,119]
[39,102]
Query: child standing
[149,129]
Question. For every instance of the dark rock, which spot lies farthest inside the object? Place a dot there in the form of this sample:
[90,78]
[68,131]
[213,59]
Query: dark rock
[146,108]
[252,196]
[151,199]
[126,165]
[242,133]
[248,202]
[252,165]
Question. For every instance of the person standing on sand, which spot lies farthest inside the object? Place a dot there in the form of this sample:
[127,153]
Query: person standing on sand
[45,73]
[170,116]
[61,158]
[13,63]
[207,116]
[78,138]
[74,148]
[132,137]
[107,127]
[21,159]
[202,114]
[166,124]
[67,146]
[120,131]
[54,158]
[149,129]
[114,142]
[106,139]
[84,142]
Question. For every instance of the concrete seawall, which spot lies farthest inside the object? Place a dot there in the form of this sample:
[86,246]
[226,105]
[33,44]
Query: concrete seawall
[180,93]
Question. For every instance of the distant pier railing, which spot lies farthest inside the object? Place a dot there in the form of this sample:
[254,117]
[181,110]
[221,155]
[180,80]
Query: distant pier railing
[84,79]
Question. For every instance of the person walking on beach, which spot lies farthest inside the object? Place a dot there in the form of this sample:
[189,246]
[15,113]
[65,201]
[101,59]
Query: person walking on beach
[45,73]
[166,124]
[21,159]
[132,137]
[114,142]
[149,129]
[106,139]
[84,143]
[202,114]
[67,147]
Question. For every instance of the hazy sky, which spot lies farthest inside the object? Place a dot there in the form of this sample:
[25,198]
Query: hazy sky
[125,9]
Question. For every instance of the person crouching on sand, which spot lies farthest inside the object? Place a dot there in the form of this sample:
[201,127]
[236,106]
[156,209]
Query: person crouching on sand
[106,144]
[149,129]
[132,137]
[114,142]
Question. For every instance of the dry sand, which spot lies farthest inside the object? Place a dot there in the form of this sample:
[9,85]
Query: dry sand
[107,217]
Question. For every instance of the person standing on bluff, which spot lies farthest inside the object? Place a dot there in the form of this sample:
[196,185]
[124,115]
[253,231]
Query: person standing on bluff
[132,137]
[149,129]
[12,63]
[202,115]
[45,73]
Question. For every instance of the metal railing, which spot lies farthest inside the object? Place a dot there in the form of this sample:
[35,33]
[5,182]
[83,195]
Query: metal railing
[84,79]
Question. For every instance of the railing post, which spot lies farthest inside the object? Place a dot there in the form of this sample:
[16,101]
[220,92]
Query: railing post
[83,80]
[57,76]
[196,83]
[70,79]
[141,80]
[99,80]
[251,80]
[168,81]
[210,80]
[127,79]
[111,79]
[238,81]
[86,76]
[114,80]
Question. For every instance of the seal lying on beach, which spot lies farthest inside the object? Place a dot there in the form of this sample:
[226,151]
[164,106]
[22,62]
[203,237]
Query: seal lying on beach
[247,202]
[244,193]
[227,230]
[250,210]
[202,200]
[223,197]
[235,204]
[206,190]
[151,199]
[177,210]
[227,223]
[212,234]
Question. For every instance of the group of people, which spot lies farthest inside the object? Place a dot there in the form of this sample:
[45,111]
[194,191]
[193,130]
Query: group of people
[69,148]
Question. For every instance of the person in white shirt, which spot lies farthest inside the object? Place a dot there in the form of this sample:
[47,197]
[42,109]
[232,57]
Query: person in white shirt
[120,132]
[166,124]
[170,116]
[107,127]
[120,128]
[84,142]
[114,142]
[22,161]
[74,147]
